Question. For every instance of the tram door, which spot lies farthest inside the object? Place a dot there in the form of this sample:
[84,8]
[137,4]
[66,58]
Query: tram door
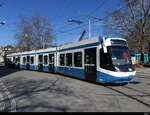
[18,63]
[51,62]
[40,62]
[28,63]
[90,64]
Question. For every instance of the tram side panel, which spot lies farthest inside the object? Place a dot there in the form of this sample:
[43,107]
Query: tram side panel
[52,62]
[23,65]
[36,61]
[46,62]
[32,62]
[21,61]
[68,65]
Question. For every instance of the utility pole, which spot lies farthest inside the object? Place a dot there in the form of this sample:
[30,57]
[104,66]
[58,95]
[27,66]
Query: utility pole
[90,17]
[89,29]
[80,23]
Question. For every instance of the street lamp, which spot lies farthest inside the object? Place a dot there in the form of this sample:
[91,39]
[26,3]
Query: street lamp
[90,17]
[79,22]
[76,21]
[2,22]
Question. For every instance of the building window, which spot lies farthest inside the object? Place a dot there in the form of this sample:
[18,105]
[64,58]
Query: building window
[24,60]
[32,60]
[62,59]
[69,59]
[46,60]
[78,59]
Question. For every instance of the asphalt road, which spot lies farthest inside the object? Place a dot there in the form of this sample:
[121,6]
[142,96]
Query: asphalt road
[31,91]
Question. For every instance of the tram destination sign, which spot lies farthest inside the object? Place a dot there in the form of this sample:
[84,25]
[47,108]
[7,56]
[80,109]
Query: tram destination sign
[119,42]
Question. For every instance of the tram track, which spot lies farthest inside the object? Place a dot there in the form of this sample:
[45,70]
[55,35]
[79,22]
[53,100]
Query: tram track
[131,93]
[145,74]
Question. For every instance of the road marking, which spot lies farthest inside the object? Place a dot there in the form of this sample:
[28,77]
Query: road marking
[10,97]
[2,105]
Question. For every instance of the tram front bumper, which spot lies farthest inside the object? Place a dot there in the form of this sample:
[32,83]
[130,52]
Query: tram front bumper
[105,78]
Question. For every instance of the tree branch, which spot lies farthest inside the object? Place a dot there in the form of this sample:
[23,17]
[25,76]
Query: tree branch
[132,13]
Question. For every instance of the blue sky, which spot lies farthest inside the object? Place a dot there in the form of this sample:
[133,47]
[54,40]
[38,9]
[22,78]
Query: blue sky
[58,11]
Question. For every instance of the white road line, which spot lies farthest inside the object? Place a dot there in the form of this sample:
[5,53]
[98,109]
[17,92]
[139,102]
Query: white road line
[2,105]
[11,99]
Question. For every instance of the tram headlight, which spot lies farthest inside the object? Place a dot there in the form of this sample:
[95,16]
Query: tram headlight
[117,69]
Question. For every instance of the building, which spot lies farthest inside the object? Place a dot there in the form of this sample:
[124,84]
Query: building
[6,50]
[1,55]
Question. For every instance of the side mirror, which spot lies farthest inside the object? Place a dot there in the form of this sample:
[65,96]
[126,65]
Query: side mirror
[104,47]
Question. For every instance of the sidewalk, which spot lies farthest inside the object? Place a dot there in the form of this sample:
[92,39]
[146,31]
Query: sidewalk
[2,104]
[7,103]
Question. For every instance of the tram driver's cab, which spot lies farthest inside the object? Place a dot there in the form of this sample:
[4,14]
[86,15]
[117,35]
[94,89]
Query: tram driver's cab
[114,55]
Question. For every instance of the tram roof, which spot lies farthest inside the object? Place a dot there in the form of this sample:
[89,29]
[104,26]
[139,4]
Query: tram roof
[83,42]
[33,51]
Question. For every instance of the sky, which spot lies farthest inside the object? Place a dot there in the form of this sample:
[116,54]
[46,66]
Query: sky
[59,12]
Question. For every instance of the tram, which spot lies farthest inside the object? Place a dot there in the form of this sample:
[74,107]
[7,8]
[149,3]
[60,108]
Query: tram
[101,59]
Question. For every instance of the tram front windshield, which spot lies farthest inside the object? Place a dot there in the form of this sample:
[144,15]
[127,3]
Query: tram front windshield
[120,55]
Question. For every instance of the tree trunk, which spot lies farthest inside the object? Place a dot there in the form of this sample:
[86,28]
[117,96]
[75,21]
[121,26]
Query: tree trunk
[142,50]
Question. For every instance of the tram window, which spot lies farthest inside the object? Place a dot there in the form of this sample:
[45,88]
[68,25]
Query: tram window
[78,59]
[28,58]
[32,60]
[8,59]
[51,58]
[13,59]
[18,59]
[24,60]
[40,59]
[105,60]
[46,60]
[69,59]
[62,59]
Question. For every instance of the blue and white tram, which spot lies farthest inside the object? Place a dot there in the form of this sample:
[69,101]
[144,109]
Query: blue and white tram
[101,59]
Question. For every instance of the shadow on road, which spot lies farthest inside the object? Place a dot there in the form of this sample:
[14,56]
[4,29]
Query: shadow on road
[6,71]
[31,91]
[135,82]
[45,93]
[6,98]
[96,83]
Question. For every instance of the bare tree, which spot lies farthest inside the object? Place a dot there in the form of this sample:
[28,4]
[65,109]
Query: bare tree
[33,33]
[42,32]
[132,22]
[23,35]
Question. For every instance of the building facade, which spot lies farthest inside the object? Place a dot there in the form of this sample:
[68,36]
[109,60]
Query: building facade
[4,51]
